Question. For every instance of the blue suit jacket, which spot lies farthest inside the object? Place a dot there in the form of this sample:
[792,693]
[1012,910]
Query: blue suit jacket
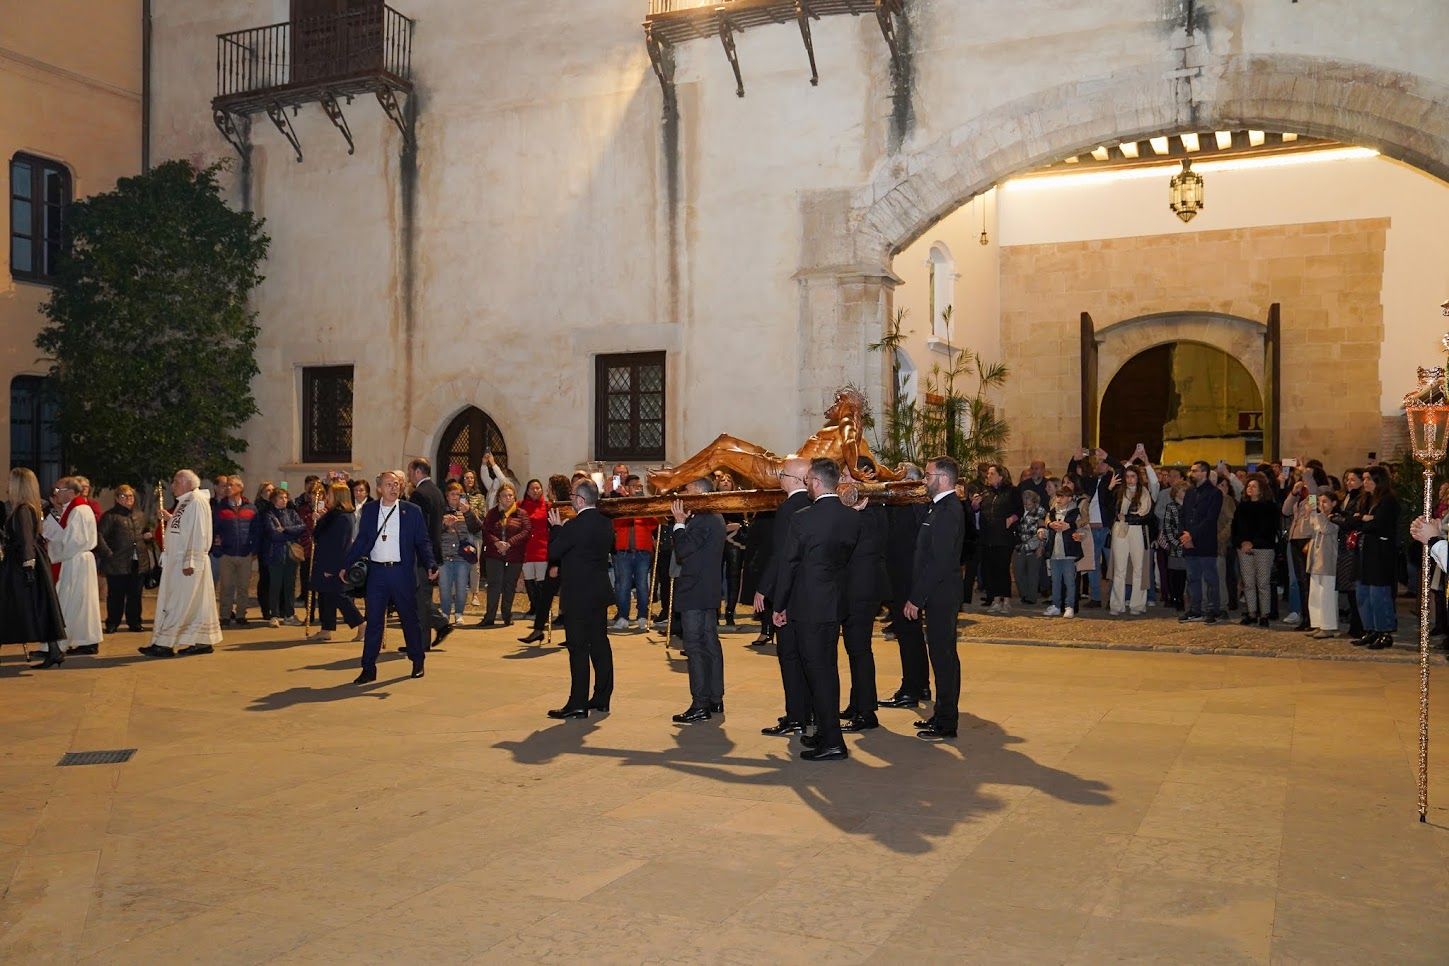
[415,545]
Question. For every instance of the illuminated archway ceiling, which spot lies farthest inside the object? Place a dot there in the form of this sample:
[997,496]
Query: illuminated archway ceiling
[1197,146]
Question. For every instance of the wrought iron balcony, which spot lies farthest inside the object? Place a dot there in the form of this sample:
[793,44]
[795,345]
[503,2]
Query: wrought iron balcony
[671,22]
[366,50]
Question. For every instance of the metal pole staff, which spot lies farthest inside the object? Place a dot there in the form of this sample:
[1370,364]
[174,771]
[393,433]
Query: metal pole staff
[1424,566]
[649,578]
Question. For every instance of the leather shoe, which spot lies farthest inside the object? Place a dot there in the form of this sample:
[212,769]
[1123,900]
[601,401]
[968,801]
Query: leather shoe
[784,729]
[717,708]
[692,714]
[900,700]
[86,649]
[532,638]
[935,733]
[847,713]
[442,632]
[417,670]
[835,753]
[366,677]
[860,723]
[198,649]
[810,741]
[1381,641]
[923,724]
[51,660]
[155,650]
[599,707]
[562,713]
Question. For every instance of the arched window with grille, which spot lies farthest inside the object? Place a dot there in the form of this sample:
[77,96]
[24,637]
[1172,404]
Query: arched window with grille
[463,443]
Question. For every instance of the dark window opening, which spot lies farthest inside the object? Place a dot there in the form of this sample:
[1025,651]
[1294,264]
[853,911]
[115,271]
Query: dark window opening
[629,406]
[327,414]
[35,440]
[39,193]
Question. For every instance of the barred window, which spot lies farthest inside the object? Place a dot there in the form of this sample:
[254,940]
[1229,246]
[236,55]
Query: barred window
[34,429]
[629,406]
[327,414]
[39,193]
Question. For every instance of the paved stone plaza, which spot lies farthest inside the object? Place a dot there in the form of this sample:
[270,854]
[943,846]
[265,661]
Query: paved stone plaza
[1099,806]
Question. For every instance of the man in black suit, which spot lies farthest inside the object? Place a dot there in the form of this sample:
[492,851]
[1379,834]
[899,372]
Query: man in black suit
[811,597]
[429,499]
[904,524]
[866,587]
[936,589]
[578,554]
[699,540]
[787,647]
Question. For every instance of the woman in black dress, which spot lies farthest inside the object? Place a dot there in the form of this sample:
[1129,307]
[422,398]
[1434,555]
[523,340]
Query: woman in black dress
[332,537]
[29,609]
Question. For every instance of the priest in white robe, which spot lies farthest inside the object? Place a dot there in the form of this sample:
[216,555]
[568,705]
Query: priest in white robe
[186,617]
[70,541]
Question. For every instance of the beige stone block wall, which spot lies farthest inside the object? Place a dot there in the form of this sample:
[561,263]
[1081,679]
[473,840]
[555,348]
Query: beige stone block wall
[1326,277]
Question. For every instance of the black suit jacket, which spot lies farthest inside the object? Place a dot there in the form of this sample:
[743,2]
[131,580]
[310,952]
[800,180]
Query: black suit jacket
[904,522]
[936,580]
[430,500]
[770,579]
[699,548]
[815,562]
[868,584]
[581,549]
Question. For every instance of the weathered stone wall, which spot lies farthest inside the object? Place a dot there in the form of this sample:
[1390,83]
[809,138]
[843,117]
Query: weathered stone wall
[1326,278]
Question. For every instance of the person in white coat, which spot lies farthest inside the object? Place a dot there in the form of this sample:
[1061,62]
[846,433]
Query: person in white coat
[70,540]
[186,617]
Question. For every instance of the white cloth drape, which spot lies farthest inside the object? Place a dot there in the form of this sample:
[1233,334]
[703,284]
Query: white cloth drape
[186,604]
[79,590]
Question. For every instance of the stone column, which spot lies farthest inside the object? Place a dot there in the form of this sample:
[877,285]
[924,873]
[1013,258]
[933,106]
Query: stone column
[842,310]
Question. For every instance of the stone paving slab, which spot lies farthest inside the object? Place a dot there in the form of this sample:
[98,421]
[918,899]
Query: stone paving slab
[1100,805]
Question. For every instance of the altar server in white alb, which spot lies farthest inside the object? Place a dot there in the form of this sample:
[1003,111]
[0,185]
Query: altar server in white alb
[186,616]
[70,540]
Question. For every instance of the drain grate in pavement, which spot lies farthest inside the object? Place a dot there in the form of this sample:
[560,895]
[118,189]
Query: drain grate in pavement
[97,757]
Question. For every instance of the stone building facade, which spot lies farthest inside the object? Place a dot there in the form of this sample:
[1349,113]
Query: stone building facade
[552,213]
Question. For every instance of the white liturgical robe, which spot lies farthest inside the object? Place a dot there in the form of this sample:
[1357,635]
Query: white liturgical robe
[79,591]
[186,604]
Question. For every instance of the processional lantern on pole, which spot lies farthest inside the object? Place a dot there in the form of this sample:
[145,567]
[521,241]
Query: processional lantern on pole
[1427,410]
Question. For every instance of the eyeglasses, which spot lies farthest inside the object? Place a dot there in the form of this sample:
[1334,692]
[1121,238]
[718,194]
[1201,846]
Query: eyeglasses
[792,476]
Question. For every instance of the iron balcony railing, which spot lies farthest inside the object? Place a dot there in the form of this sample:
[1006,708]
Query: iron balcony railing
[657,7]
[315,51]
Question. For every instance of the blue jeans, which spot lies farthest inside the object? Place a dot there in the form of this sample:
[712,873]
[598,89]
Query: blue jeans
[1099,559]
[631,573]
[1064,583]
[1376,607]
[1202,585]
[453,582]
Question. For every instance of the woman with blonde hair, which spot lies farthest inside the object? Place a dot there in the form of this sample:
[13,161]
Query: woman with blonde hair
[29,607]
[333,536]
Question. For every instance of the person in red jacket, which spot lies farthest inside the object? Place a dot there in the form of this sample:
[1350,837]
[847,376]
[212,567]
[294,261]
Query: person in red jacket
[633,552]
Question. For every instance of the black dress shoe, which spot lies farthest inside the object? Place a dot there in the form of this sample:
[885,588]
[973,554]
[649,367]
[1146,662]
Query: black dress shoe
[1380,641]
[899,700]
[51,660]
[1367,638]
[692,714]
[562,713]
[532,638]
[810,741]
[113,628]
[442,633]
[91,649]
[936,733]
[847,713]
[835,753]
[717,707]
[155,650]
[366,677]
[923,724]
[198,649]
[760,641]
[599,706]
[860,723]
[784,729]
[417,670]
[486,622]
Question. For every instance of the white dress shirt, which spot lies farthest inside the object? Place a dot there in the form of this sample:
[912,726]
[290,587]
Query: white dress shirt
[388,548]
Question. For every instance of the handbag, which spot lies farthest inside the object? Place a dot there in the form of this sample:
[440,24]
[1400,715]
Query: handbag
[298,554]
[468,550]
[1119,529]
[1352,541]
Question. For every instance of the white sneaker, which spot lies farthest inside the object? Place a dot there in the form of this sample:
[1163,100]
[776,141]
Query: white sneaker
[292,622]
[1069,613]
[1292,618]
[643,625]
[1005,607]
[621,624]
[473,601]
[1051,612]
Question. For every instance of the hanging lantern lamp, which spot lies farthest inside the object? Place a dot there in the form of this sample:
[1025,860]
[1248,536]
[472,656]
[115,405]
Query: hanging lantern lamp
[1186,193]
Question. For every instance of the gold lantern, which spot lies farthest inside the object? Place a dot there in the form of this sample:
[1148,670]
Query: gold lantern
[1427,409]
[1185,192]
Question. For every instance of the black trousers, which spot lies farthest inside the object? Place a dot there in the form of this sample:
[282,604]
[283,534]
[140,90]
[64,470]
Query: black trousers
[502,577]
[706,658]
[333,601]
[820,657]
[430,615]
[857,632]
[792,674]
[945,660]
[996,571]
[588,640]
[911,640]
[123,598]
[264,592]
[733,559]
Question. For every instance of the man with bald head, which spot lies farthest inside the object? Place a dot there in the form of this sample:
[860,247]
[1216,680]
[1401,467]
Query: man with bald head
[787,645]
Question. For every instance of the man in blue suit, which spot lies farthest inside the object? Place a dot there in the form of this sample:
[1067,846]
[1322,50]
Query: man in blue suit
[393,536]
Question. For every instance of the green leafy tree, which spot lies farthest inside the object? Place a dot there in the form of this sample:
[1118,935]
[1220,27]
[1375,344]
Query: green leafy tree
[947,418]
[151,339]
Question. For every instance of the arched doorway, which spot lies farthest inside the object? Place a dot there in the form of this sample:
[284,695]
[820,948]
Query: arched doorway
[1184,401]
[462,444]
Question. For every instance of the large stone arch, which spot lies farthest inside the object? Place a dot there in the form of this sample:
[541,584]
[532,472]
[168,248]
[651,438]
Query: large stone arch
[1238,337]
[849,236]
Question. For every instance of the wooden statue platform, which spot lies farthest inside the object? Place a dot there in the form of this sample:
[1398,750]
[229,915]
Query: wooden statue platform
[748,501]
